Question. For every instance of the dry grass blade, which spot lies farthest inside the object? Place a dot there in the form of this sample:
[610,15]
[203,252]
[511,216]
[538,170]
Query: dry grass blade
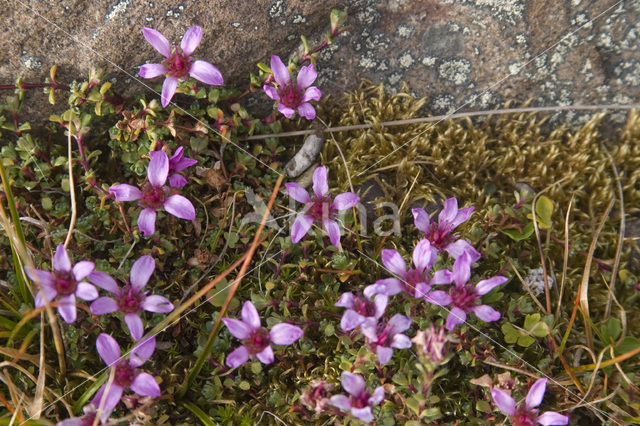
[565,258]
[36,408]
[621,231]
[72,189]
[583,289]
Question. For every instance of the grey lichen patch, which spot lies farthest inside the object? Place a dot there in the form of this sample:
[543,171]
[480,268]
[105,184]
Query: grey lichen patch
[117,9]
[443,103]
[176,12]
[484,100]
[395,78]
[455,70]
[514,67]
[405,59]
[368,16]
[405,31]
[32,63]
[298,19]
[510,11]
[439,41]
[581,19]
[629,72]
[277,9]
[429,61]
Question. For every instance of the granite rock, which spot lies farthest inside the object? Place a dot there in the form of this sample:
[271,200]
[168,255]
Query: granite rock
[461,54]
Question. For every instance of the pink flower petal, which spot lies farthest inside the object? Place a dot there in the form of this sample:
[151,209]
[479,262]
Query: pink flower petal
[400,341]
[147,221]
[448,213]
[380,304]
[300,227]
[333,230]
[350,320]
[152,70]
[250,315]
[485,286]
[182,163]
[206,73]
[280,71]
[145,385]
[190,40]
[438,297]
[177,180]
[352,383]
[86,291]
[237,328]
[363,414]
[238,357]
[392,260]
[486,313]
[45,278]
[377,397]
[113,397]
[536,393]
[142,351]
[104,281]
[155,303]
[397,324]
[169,87]
[422,256]
[384,354]
[67,308]
[386,286]
[179,206]
[504,402]
[461,216]
[307,111]
[306,76]
[286,111]
[311,94]
[104,305]
[456,316]
[320,185]
[158,41]
[456,249]
[297,192]
[341,402]
[141,271]
[370,328]
[271,92]
[135,326]
[345,201]
[285,334]
[108,349]
[462,269]
[124,192]
[82,269]
[442,276]
[266,355]
[158,169]
[421,220]
[61,261]
[549,418]
[346,301]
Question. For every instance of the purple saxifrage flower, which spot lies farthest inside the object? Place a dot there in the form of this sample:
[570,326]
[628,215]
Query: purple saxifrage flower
[177,163]
[155,195]
[528,415]
[319,207]
[65,282]
[441,234]
[360,309]
[130,300]
[415,281]
[384,337]
[178,64]
[126,373]
[256,340]
[88,418]
[359,402]
[464,297]
[431,343]
[292,96]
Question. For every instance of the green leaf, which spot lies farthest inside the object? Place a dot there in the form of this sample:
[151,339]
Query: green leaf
[544,210]
[516,235]
[628,344]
